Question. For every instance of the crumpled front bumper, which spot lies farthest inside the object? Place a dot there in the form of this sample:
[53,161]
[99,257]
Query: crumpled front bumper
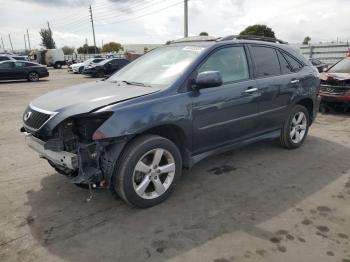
[62,158]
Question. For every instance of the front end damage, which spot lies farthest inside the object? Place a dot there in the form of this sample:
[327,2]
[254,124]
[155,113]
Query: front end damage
[75,150]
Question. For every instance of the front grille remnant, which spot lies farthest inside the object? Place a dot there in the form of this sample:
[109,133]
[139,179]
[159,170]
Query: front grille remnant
[335,90]
[34,119]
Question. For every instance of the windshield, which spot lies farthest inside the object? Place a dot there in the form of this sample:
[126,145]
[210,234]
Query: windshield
[342,67]
[88,61]
[160,67]
[104,61]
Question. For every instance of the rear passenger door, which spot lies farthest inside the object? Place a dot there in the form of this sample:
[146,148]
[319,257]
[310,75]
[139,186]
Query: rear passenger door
[276,83]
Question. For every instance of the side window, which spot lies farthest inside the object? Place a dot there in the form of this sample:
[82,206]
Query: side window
[266,61]
[6,65]
[19,65]
[285,67]
[296,66]
[231,62]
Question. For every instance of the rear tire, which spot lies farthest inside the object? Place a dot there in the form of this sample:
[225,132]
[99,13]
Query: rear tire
[148,170]
[295,128]
[33,77]
[58,66]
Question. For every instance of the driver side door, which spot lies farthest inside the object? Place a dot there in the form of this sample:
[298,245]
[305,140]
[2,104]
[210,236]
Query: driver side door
[228,113]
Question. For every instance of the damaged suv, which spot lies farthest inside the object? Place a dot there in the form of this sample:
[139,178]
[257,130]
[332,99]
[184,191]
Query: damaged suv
[169,109]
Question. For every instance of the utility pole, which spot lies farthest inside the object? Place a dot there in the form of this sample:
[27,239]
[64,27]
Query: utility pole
[25,42]
[93,28]
[28,39]
[2,41]
[11,42]
[186,18]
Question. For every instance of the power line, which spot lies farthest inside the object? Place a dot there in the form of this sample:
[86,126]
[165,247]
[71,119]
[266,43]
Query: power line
[108,14]
[143,15]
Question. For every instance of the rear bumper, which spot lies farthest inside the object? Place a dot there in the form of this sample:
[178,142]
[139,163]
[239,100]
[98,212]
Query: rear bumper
[62,158]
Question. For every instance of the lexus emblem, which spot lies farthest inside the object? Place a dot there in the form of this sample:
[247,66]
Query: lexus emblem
[27,116]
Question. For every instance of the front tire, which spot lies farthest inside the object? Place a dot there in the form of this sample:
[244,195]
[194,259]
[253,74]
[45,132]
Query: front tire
[148,170]
[33,76]
[295,128]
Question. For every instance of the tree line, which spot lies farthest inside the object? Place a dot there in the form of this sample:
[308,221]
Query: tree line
[48,42]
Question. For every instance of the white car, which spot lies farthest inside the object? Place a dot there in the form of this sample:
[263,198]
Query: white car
[79,67]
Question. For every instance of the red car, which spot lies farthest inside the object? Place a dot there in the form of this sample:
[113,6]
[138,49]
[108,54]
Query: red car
[335,86]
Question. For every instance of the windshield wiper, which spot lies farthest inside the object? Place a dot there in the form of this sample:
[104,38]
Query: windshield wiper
[134,83]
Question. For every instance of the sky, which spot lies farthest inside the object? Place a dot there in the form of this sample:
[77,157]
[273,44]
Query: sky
[157,21]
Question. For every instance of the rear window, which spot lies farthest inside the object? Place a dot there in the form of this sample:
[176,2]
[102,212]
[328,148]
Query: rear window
[6,65]
[266,61]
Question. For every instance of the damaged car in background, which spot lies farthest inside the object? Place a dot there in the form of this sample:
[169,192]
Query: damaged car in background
[171,108]
[335,87]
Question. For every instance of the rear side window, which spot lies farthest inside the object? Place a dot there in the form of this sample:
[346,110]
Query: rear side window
[231,62]
[285,67]
[295,65]
[6,65]
[266,61]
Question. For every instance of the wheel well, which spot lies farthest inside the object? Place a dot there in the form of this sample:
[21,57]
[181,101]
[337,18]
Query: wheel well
[174,134]
[307,102]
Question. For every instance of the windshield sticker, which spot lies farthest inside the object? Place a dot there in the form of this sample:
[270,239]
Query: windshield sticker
[193,48]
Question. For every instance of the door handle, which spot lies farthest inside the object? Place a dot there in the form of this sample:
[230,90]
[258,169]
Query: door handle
[295,81]
[251,90]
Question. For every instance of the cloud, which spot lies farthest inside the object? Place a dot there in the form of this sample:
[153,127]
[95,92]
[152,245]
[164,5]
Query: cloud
[71,3]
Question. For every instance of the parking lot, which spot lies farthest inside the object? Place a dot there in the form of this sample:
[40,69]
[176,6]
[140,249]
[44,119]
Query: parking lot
[259,203]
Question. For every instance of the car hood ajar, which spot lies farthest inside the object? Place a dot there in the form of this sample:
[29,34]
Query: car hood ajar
[337,76]
[86,97]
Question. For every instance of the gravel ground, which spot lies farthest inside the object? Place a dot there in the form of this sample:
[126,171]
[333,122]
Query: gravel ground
[259,203]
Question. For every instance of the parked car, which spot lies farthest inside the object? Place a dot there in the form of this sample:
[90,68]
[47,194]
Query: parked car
[10,70]
[335,86]
[79,67]
[171,108]
[6,57]
[106,67]
[318,64]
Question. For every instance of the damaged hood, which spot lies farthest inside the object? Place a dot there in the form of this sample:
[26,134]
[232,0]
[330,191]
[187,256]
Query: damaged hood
[86,97]
[336,76]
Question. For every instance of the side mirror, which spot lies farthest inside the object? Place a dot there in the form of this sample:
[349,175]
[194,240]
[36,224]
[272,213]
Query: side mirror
[324,69]
[208,79]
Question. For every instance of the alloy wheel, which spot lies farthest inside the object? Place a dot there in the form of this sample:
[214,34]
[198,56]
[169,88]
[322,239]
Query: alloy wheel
[154,173]
[298,127]
[33,76]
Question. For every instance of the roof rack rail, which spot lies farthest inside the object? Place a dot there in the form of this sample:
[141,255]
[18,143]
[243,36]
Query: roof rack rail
[252,37]
[193,39]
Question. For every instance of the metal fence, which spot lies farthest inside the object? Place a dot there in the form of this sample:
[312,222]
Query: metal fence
[327,53]
[83,57]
